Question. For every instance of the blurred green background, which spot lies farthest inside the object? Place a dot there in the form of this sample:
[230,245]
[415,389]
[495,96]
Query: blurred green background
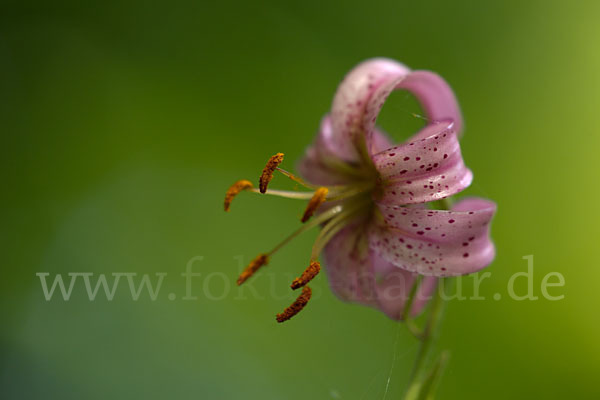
[123,123]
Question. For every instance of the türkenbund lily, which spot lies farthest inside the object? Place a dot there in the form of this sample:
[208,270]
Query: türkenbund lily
[372,198]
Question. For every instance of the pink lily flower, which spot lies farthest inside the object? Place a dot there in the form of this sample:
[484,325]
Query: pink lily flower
[370,196]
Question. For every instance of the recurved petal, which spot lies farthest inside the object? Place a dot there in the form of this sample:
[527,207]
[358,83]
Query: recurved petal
[436,97]
[426,169]
[365,89]
[351,100]
[434,94]
[435,242]
[358,274]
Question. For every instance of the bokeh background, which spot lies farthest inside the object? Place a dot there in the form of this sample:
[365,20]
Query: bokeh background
[123,123]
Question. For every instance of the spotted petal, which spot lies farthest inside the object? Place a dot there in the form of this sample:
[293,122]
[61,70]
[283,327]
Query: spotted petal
[352,98]
[429,168]
[358,274]
[355,108]
[434,242]
[362,94]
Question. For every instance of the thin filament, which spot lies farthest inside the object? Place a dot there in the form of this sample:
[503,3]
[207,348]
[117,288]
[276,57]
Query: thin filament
[286,193]
[296,178]
[309,225]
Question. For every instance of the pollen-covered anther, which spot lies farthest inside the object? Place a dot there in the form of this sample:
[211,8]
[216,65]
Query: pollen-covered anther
[267,173]
[259,261]
[307,276]
[234,190]
[296,306]
[314,203]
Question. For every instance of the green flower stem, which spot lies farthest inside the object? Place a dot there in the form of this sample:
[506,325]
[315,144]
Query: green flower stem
[430,383]
[406,317]
[416,387]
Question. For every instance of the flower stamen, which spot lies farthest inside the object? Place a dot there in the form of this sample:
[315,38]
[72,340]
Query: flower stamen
[234,190]
[259,261]
[263,259]
[267,173]
[287,194]
[323,217]
[314,203]
[296,306]
[296,179]
[308,275]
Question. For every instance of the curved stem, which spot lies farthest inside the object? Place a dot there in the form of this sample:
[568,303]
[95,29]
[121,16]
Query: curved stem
[406,317]
[427,338]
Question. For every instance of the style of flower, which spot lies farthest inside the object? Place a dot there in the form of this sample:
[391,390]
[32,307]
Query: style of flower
[373,199]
